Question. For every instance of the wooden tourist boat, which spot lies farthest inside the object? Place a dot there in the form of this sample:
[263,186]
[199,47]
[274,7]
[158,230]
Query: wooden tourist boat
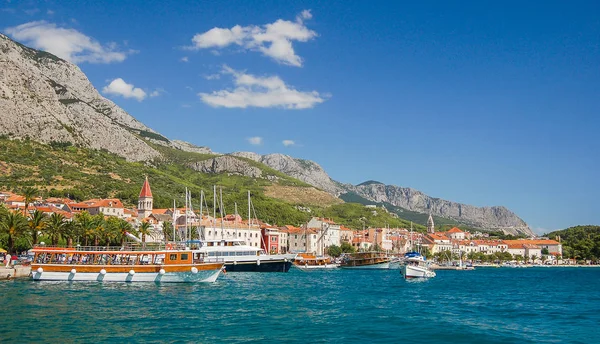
[305,261]
[115,265]
[366,260]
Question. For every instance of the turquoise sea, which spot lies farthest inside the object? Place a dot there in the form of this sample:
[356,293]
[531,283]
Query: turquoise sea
[502,305]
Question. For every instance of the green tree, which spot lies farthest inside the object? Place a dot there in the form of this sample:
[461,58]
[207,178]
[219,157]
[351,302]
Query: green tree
[30,194]
[144,230]
[85,225]
[55,227]
[167,231]
[37,224]
[334,251]
[119,228]
[347,248]
[15,225]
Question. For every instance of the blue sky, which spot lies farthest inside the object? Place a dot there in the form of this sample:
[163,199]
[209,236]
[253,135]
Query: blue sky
[485,103]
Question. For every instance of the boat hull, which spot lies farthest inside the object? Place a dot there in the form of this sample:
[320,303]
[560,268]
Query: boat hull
[306,267]
[381,266]
[410,271]
[259,266]
[205,274]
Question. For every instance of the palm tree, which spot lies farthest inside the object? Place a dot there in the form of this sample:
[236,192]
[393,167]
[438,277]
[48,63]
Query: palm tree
[98,227]
[14,224]
[85,224]
[144,230]
[70,232]
[56,227]
[30,194]
[167,230]
[124,227]
[37,223]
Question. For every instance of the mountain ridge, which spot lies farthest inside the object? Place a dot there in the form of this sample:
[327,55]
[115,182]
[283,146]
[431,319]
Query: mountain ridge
[51,100]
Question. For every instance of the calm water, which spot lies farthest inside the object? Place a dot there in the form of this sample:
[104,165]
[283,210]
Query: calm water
[483,306]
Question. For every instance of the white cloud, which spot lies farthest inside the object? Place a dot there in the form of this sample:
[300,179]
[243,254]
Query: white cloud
[273,40]
[157,92]
[120,88]
[68,44]
[49,12]
[32,11]
[184,59]
[256,140]
[288,143]
[262,92]
[212,76]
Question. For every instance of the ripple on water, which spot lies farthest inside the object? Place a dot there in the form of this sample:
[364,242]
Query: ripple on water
[344,306]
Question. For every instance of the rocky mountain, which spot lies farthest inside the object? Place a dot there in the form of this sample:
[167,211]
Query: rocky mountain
[305,170]
[48,99]
[493,218]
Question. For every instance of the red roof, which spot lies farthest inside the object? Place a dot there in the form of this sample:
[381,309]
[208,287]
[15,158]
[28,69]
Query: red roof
[455,230]
[146,192]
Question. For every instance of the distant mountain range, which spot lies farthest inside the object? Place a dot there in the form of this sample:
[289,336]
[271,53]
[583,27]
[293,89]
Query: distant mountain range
[47,99]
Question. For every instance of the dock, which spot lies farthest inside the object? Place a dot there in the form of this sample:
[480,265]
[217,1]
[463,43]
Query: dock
[17,271]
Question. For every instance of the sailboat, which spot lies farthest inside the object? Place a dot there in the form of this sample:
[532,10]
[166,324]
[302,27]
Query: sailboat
[415,264]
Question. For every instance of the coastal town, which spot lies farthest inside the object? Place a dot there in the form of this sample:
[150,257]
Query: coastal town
[317,236]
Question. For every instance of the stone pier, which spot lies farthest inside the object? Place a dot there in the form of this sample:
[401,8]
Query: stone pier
[17,271]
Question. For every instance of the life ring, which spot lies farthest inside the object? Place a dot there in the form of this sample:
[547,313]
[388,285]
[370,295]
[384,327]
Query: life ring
[169,246]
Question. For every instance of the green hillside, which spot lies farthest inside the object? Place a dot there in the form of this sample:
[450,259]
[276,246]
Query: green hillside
[579,242]
[63,170]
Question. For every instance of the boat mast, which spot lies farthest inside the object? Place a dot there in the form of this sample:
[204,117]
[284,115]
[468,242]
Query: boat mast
[186,214]
[236,223]
[174,220]
[221,211]
[249,218]
[201,213]
[215,209]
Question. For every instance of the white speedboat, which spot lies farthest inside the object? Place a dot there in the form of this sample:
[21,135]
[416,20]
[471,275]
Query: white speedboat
[415,266]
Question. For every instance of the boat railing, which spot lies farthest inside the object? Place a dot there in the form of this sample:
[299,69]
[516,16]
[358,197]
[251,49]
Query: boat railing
[126,247]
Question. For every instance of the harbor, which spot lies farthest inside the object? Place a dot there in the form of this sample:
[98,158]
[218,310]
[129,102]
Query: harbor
[350,306]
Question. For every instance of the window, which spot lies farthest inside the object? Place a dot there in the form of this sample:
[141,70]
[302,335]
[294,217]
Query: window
[172,257]
[273,239]
[184,256]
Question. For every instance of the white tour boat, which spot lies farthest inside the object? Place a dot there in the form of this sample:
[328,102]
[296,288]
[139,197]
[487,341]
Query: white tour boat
[241,257]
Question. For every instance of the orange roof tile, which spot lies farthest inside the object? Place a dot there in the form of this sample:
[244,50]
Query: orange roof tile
[146,192]
[455,230]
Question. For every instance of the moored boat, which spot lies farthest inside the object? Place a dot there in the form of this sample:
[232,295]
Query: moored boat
[366,260]
[415,266]
[117,265]
[308,262]
[238,256]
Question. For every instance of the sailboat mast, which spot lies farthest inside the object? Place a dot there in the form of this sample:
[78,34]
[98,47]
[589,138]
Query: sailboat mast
[186,214]
[201,212]
[236,222]
[249,217]
[215,209]
[221,211]
[174,223]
